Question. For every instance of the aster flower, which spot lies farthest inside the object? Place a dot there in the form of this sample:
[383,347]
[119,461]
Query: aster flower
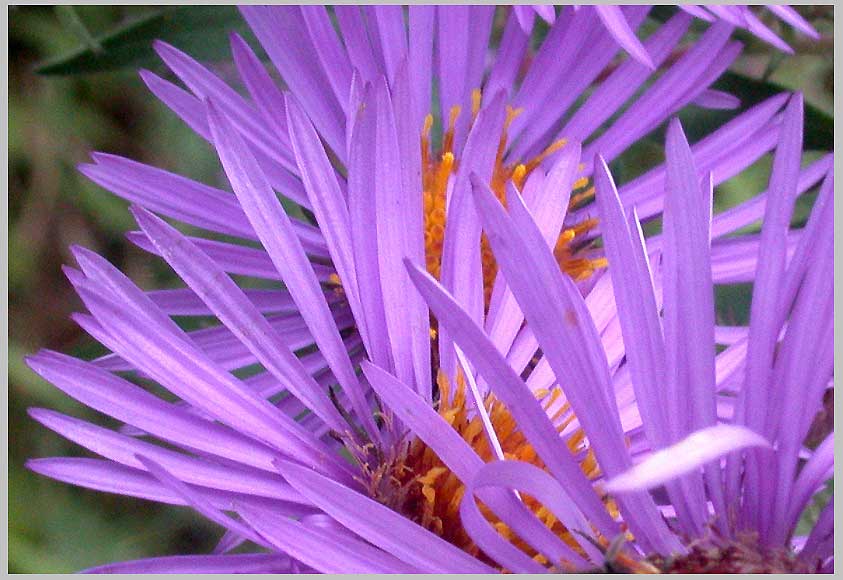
[616,23]
[334,471]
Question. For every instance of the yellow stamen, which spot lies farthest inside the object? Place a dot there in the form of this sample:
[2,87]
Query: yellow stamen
[476,95]
[436,175]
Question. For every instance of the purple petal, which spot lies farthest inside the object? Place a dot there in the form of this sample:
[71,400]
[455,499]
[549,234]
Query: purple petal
[713,99]
[613,92]
[816,471]
[793,18]
[765,320]
[508,58]
[525,16]
[420,60]
[615,21]
[356,39]
[666,94]
[265,94]
[688,455]
[234,258]
[548,207]
[189,108]
[328,202]
[392,233]
[206,85]
[166,355]
[412,216]
[389,26]
[820,543]
[185,302]
[112,477]
[198,501]
[364,246]
[329,50]
[231,564]
[636,304]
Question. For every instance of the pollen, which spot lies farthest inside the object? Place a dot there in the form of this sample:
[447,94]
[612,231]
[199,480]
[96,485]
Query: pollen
[438,171]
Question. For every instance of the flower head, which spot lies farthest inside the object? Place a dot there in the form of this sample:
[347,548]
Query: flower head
[543,380]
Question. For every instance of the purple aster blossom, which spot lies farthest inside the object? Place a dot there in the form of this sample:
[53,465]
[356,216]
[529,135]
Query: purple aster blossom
[614,19]
[335,471]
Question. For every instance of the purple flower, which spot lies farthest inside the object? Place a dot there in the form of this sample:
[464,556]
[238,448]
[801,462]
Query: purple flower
[617,24]
[472,384]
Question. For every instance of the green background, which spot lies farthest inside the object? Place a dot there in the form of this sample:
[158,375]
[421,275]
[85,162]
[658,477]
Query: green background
[94,100]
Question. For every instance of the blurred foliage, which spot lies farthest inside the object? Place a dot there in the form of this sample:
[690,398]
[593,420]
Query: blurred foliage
[56,120]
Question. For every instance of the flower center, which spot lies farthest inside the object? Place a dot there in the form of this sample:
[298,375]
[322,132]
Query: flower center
[437,172]
[744,555]
[423,488]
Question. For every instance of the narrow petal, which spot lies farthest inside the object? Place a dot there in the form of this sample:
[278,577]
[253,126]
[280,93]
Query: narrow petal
[615,21]
[356,39]
[816,472]
[548,207]
[689,454]
[329,50]
[190,110]
[389,26]
[169,358]
[234,258]
[364,242]
[329,203]
[420,60]
[229,564]
[111,477]
[792,17]
[205,84]
[198,501]
[266,95]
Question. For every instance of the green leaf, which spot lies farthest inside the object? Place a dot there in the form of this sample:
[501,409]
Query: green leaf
[71,20]
[819,126]
[200,30]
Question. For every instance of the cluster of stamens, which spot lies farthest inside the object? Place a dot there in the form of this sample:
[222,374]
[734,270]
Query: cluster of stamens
[437,172]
